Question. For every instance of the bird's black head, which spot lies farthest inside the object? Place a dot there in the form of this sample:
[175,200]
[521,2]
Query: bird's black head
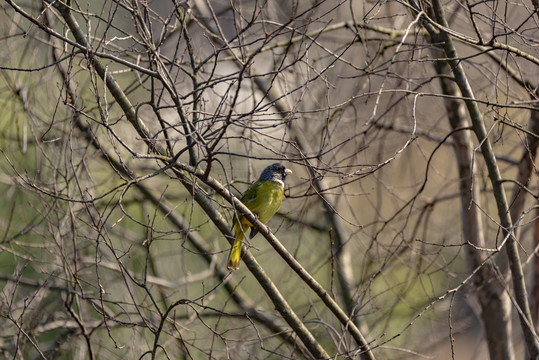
[275,172]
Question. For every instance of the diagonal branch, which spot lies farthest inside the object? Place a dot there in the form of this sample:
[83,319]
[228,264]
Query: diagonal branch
[332,305]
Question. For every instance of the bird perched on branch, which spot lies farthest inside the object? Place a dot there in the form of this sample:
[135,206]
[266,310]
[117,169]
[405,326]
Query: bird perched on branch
[263,198]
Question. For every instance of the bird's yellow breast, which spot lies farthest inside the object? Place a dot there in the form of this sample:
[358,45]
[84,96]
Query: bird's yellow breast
[264,198]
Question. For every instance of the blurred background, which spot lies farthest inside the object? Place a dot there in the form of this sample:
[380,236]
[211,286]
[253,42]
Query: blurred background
[113,246]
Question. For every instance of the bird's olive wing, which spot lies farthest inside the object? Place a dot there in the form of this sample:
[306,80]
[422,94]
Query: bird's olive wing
[252,198]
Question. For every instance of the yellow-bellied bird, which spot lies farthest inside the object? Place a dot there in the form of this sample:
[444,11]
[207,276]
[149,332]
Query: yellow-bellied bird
[263,198]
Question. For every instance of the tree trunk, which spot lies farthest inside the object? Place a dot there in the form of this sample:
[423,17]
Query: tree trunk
[494,301]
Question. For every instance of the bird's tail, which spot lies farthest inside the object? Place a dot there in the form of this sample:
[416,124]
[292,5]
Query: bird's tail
[235,251]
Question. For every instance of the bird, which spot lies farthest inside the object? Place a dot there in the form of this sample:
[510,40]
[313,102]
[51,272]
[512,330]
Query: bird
[263,198]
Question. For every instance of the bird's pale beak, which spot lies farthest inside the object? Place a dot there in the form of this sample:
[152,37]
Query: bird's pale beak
[287,171]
